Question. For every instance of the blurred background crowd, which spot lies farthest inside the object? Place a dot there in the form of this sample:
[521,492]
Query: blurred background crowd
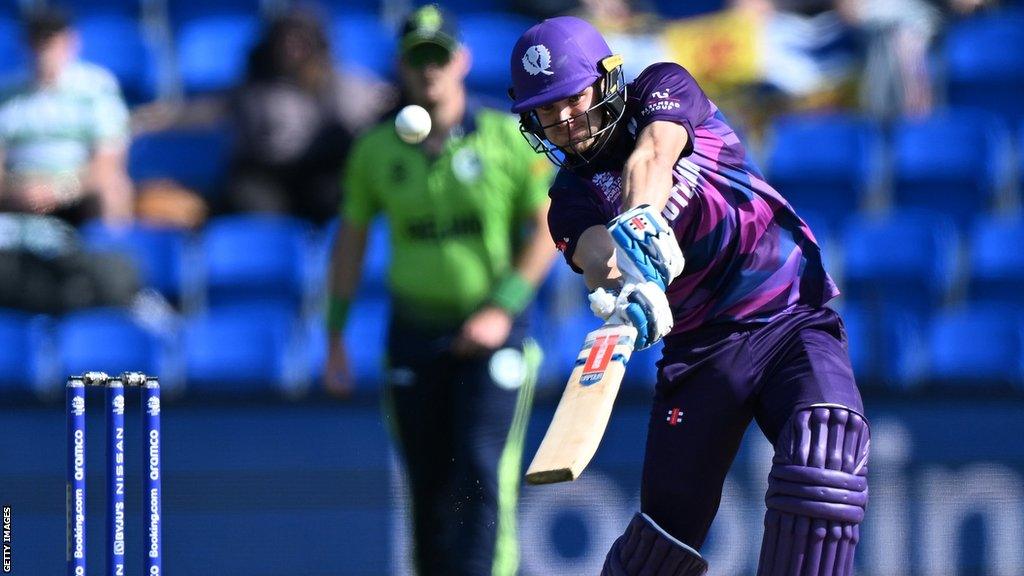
[171,173]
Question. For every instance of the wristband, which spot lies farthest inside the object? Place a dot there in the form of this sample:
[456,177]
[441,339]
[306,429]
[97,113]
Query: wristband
[512,293]
[337,313]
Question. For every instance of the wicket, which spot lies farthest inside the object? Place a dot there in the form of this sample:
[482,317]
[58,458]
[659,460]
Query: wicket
[76,491]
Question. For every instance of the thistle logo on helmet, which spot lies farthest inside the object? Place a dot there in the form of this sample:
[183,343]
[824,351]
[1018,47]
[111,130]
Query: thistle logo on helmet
[537,60]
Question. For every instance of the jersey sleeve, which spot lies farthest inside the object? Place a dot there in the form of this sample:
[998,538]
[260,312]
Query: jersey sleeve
[360,203]
[570,214]
[667,92]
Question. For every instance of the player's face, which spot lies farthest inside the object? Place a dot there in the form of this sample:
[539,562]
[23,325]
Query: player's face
[432,74]
[569,123]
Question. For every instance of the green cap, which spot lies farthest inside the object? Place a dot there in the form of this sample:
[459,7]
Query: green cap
[429,25]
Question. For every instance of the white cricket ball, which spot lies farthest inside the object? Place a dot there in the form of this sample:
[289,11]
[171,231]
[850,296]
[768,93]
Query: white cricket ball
[412,124]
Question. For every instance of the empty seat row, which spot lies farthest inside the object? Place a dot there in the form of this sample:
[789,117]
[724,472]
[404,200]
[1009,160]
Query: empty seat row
[225,349]
[837,165]
[235,259]
[916,260]
[964,347]
[209,53]
[266,349]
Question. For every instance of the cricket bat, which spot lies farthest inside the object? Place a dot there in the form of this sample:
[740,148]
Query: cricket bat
[582,414]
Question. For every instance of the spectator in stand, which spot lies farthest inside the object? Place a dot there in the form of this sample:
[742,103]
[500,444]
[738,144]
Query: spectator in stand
[291,137]
[899,35]
[63,132]
[636,33]
[294,116]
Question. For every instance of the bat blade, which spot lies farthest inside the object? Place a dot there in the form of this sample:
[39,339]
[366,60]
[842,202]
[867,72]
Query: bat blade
[582,414]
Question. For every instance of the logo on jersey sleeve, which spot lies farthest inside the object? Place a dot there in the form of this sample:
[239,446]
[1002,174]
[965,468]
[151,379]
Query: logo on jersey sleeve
[537,60]
[660,101]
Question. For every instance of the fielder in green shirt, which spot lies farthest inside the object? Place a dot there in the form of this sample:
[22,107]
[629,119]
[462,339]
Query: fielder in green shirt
[467,214]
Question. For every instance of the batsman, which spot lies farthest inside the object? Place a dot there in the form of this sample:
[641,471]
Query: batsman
[678,234]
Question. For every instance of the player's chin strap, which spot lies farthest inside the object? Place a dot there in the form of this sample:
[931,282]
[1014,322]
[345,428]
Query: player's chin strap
[645,247]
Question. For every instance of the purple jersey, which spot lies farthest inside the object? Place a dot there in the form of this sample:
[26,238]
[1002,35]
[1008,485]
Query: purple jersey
[749,257]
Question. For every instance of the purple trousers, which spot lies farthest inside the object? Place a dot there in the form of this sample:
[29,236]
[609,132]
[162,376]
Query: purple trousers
[711,383]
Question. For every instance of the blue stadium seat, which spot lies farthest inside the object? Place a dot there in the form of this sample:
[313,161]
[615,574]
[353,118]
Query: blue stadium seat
[257,258]
[824,163]
[360,42]
[13,54]
[960,180]
[984,59]
[463,7]
[886,346]
[10,8]
[158,253]
[81,9]
[347,6]
[377,258]
[213,51]
[977,345]
[197,159]
[116,42]
[997,261]
[22,348]
[244,349]
[365,342]
[366,339]
[108,340]
[183,12]
[489,38]
[905,260]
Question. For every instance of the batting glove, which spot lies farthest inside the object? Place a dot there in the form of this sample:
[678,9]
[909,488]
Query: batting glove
[640,305]
[646,247]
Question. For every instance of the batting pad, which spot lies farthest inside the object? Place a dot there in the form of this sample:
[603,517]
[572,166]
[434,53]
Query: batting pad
[817,492]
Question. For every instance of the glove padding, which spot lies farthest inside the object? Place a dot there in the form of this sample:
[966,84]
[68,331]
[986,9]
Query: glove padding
[640,305]
[646,247]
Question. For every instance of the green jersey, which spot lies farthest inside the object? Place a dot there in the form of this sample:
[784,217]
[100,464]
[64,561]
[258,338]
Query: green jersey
[454,219]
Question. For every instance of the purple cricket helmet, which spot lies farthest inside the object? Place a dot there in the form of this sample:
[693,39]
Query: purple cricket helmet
[554,60]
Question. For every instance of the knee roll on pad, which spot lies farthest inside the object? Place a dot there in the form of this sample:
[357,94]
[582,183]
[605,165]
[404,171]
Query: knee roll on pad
[647,550]
[817,492]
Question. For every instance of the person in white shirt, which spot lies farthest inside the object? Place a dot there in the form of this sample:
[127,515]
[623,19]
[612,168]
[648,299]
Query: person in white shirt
[63,132]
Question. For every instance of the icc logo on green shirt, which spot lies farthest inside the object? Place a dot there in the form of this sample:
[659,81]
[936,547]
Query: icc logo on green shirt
[466,165]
